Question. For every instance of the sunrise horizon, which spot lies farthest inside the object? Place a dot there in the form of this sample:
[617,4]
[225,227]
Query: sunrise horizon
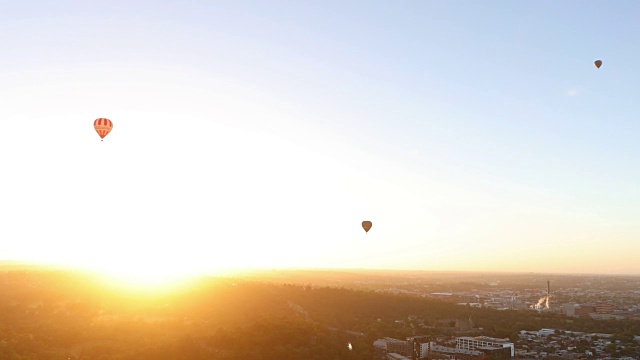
[231,272]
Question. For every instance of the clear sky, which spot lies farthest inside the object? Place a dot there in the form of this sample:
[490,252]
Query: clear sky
[474,135]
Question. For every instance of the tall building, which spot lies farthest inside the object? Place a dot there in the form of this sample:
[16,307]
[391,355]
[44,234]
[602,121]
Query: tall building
[475,343]
[420,347]
[401,347]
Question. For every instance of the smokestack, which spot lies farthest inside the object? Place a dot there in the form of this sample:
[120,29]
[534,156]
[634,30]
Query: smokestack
[548,287]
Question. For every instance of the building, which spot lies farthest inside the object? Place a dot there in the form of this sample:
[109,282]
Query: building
[546,332]
[443,352]
[420,346]
[380,348]
[473,343]
[401,347]
[383,347]
[394,356]
[604,308]
[585,309]
[467,348]
[495,353]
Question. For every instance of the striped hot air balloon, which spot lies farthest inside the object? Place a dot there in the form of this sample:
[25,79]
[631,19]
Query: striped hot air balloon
[103,127]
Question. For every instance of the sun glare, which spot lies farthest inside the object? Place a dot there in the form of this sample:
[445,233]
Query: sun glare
[140,277]
[144,279]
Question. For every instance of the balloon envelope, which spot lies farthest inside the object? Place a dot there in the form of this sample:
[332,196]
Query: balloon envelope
[366,225]
[103,126]
[598,63]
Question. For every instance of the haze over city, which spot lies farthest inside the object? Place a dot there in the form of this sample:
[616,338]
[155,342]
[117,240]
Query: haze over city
[475,136]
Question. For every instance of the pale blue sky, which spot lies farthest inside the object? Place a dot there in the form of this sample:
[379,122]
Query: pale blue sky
[457,127]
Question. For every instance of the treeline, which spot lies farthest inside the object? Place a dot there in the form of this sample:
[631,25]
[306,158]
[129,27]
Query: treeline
[59,315]
[373,313]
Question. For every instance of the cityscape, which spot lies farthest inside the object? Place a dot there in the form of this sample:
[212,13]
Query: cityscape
[319,180]
[369,314]
[541,344]
[600,298]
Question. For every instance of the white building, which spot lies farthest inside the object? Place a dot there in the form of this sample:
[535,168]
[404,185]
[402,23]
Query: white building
[472,343]
[546,332]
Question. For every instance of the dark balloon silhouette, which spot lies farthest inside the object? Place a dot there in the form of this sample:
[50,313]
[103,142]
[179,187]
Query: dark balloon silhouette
[598,63]
[103,127]
[366,225]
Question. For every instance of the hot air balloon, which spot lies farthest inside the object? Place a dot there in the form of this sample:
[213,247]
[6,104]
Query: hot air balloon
[598,63]
[103,127]
[366,225]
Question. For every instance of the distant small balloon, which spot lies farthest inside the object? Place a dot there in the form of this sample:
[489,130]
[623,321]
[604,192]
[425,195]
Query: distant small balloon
[350,347]
[366,225]
[598,63]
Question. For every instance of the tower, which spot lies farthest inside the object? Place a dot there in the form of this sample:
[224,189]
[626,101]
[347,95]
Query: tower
[548,288]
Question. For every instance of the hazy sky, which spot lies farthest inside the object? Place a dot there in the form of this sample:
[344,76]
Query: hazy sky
[474,135]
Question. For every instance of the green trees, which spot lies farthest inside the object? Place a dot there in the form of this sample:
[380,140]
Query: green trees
[59,316]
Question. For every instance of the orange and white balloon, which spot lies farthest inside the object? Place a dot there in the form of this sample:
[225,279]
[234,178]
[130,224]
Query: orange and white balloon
[103,126]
